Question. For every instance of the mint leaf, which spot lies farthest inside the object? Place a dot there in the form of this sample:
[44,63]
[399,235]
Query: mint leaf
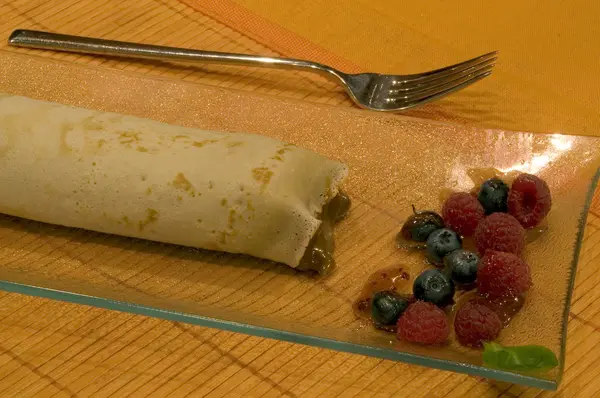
[519,358]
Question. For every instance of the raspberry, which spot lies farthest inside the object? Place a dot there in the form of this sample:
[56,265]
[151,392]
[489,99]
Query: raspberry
[423,323]
[462,212]
[475,323]
[529,200]
[502,275]
[501,232]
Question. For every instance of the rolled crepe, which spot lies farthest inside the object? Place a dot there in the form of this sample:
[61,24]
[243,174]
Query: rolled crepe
[106,172]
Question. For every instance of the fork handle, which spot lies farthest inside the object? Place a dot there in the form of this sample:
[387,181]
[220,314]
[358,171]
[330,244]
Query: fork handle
[89,45]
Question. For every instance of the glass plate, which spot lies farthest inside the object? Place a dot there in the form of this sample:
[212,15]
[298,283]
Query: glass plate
[394,162]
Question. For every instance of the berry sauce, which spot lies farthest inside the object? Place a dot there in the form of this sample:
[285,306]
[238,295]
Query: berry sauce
[403,243]
[534,233]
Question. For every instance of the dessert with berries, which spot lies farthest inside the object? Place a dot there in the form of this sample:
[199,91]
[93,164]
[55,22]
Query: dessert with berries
[477,276]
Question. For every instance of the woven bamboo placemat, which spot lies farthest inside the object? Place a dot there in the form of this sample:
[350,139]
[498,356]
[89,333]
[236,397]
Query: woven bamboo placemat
[54,349]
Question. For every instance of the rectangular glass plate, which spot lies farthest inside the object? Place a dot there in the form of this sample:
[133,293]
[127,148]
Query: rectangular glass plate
[394,162]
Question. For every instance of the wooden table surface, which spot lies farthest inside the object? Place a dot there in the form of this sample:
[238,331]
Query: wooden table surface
[54,349]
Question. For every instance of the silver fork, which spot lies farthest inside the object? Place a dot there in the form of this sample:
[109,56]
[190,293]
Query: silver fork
[368,90]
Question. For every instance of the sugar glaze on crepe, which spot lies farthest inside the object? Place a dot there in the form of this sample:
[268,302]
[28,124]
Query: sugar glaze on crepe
[106,172]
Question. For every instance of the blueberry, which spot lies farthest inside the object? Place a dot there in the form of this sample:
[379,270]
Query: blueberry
[387,307]
[434,286]
[493,196]
[420,225]
[462,266]
[441,243]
